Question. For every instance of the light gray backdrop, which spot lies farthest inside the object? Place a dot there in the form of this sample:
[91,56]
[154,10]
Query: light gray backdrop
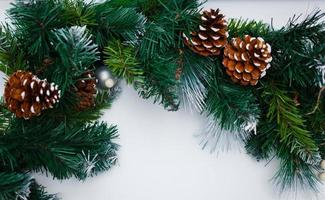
[160,158]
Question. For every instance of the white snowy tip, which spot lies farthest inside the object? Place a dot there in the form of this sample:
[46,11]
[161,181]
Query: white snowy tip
[243,57]
[213,16]
[43,84]
[235,56]
[269,47]
[268,66]
[260,39]
[256,55]
[41,91]
[184,36]
[202,28]
[203,18]
[56,87]
[202,37]
[32,109]
[32,84]
[248,46]
[263,74]
[215,37]
[23,94]
[24,82]
[215,29]
[257,64]
[194,43]
[48,92]
[268,60]
[37,99]
[241,44]
[207,46]
[52,88]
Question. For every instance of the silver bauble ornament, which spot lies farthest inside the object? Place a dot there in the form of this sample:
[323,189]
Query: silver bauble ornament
[105,78]
[322,176]
[322,164]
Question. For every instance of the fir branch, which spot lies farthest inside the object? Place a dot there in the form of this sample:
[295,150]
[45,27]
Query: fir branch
[291,126]
[230,104]
[125,24]
[37,192]
[13,185]
[121,59]
[196,73]
[160,82]
[12,56]
[241,27]
[79,13]
[77,53]
[299,51]
[34,20]
[48,146]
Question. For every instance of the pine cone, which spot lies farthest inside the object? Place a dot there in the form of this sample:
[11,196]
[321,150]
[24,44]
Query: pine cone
[212,35]
[26,95]
[247,60]
[86,91]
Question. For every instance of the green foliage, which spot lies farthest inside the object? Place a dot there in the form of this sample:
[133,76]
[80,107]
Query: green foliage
[13,184]
[241,27]
[232,105]
[282,132]
[64,150]
[12,56]
[159,50]
[76,52]
[37,192]
[78,12]
[196,73]
[160,82]
[5,117]
[297,51]
[123,23]
[34,20]
[121,59]
[290,124]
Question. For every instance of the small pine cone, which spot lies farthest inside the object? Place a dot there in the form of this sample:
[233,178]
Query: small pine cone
[212,35]
[86,91]
[247,60]
[26,95]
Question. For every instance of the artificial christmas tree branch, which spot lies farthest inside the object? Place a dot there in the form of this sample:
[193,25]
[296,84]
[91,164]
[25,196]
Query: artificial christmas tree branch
[172,53]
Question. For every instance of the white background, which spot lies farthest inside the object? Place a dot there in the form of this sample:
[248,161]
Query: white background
[160,158]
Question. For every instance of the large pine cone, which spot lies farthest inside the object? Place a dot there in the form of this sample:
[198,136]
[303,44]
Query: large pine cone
[86,91]
[26,95]
[247,60]
[212,35]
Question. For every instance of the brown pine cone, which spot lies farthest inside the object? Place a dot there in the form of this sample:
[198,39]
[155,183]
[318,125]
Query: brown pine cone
[86,91]
[26,95]
[211,36]
[247,60]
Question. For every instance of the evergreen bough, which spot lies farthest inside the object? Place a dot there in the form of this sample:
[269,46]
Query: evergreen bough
[141,41]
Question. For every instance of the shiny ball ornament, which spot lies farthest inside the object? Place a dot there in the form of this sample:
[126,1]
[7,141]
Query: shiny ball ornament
[322,176]
[322,164]
[105,78]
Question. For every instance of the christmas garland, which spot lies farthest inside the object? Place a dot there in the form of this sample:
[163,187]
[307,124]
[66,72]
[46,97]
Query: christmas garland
[63,59]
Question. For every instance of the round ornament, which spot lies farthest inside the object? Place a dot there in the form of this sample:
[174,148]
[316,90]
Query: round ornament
[322,176]
[105,78]
[322,164]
